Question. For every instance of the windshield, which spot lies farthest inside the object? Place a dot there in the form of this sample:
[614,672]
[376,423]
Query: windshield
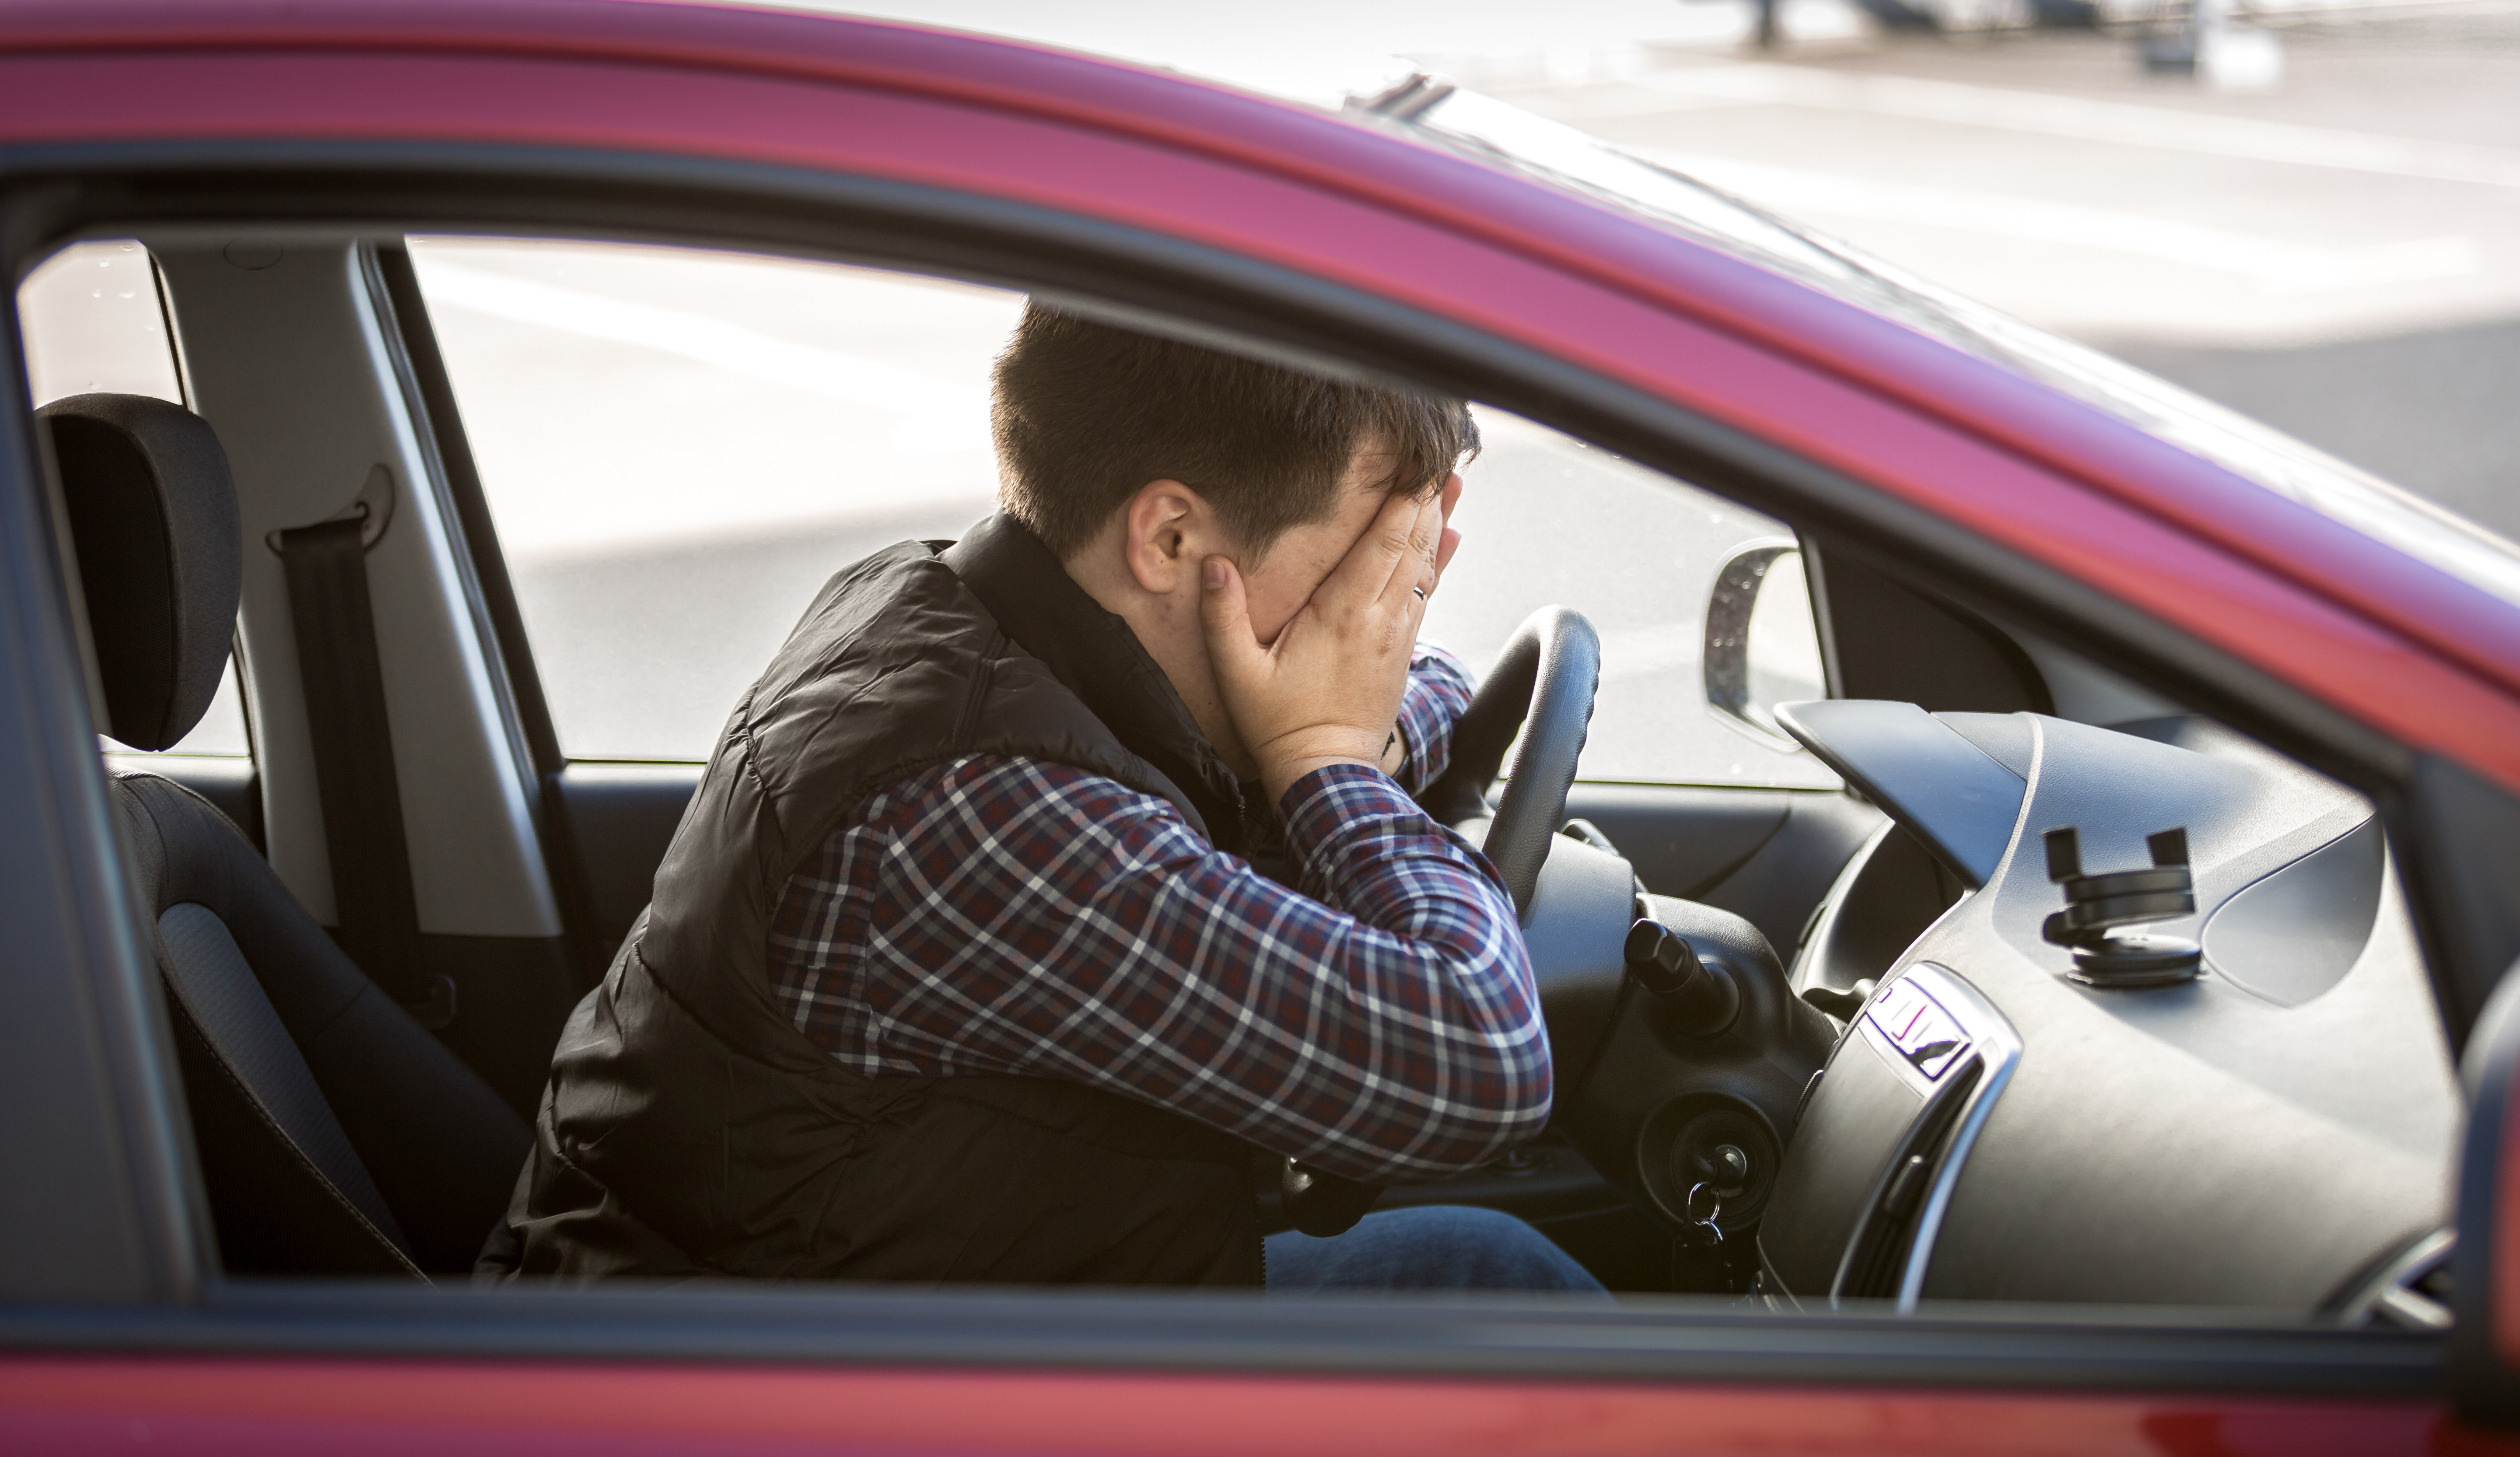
[1553,151]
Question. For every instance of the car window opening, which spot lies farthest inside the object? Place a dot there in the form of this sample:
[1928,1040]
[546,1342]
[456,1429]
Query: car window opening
[1823,783]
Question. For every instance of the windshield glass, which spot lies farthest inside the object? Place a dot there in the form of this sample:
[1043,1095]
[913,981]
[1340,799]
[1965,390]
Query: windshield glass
[1553,151]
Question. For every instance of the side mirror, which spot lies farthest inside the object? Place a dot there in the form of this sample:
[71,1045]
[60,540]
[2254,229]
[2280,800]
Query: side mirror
[2485,1288]
[1762,642]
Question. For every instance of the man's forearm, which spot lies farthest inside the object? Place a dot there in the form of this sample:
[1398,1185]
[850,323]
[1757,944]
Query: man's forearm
[1423,895]
[1033,918]
[1439,689]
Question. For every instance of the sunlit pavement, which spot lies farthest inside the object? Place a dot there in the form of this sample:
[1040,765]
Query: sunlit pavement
[2339,256]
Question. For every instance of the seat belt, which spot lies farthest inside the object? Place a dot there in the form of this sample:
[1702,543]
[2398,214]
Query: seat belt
[327,568]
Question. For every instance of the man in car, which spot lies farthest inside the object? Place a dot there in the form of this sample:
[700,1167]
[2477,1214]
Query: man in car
[1054,888]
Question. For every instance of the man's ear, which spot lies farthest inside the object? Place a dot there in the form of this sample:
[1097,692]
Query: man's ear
[1165,532]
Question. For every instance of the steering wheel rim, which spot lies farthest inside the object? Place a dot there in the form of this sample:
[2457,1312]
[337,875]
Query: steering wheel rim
[1546,678]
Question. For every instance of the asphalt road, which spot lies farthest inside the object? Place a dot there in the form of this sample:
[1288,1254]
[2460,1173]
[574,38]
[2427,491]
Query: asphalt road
[2338,257]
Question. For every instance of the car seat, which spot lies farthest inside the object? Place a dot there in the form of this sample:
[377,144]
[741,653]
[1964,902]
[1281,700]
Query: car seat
[335,1134]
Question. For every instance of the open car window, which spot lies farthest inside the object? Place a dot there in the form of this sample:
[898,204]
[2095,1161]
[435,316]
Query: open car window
[679,447]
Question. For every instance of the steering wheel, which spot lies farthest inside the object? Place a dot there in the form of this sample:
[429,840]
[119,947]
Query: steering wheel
[1546,675]
[1541,685]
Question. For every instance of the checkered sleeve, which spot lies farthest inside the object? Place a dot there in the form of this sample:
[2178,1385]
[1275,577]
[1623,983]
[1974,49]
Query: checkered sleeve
[1008,915]
[1439,689]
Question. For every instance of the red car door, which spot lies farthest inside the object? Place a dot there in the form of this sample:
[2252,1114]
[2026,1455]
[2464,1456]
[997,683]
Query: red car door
[772,131]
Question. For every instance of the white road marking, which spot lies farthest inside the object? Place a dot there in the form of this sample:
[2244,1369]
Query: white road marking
[2275,266]
[937,416]
[2121,124]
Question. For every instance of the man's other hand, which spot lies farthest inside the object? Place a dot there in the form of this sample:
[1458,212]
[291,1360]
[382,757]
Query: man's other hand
[1327,690]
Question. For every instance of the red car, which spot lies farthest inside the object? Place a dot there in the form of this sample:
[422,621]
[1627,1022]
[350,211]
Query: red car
[2137,794]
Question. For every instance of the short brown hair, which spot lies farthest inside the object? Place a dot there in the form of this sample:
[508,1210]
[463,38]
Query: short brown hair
[1085,413]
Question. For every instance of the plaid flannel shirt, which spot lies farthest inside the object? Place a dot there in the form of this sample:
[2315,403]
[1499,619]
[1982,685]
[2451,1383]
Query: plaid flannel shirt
[999,915]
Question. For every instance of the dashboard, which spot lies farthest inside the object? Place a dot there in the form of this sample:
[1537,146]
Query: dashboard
[2267,1125]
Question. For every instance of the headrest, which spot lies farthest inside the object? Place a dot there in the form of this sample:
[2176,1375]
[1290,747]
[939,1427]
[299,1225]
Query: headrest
[153,515]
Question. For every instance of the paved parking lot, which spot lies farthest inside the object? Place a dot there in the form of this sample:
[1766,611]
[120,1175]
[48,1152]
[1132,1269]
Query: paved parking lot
[2339,256]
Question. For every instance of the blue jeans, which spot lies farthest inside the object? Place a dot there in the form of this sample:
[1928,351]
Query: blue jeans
[1434,1247]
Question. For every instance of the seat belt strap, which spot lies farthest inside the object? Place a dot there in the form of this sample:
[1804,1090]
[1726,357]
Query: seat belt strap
[337,664]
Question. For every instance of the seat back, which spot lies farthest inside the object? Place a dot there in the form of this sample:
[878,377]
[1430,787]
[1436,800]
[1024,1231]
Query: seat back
[335,1134]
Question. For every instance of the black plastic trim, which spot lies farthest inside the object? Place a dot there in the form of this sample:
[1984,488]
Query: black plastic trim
[1958,800]
[1879,1253]
[2485,1383]
[515,994]
[1645,1339]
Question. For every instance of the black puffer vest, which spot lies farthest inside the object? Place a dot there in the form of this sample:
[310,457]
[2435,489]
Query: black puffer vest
[689,1130]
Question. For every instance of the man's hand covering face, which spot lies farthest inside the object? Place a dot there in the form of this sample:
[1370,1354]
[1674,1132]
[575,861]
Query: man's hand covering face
[1329,688]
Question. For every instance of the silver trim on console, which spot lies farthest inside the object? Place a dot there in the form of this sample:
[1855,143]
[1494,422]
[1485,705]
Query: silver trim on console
[2394,1297]
[1923,1047]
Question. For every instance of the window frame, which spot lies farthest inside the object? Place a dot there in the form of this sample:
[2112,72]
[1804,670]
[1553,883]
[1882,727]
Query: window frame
[152,1291]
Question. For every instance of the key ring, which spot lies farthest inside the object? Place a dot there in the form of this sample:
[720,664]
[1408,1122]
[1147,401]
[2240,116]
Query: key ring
[1714,1210]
